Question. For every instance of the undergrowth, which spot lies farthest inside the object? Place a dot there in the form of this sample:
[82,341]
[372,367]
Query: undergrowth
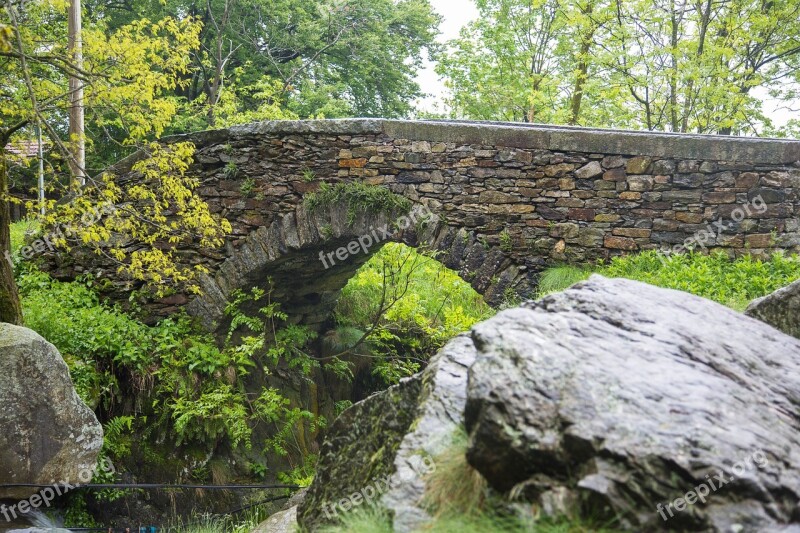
[410,304]
[183,387]
[731,282]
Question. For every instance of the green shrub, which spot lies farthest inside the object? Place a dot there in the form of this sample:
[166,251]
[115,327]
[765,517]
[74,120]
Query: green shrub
[732,282]
[196,389]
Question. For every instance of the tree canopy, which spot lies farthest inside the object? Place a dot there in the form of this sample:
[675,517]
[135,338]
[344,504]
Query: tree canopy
[685,66]
[289,59]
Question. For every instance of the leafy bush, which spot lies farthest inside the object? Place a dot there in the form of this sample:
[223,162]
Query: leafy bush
[410,305]
[732,282]
[195,389]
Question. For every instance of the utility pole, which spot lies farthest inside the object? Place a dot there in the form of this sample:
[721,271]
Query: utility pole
[77,162]
[41,168]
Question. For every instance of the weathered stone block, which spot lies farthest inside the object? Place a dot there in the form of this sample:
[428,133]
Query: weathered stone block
[565,230]
[635,233]
[719,197]
[615,174]
[630,195]
[581,214]
[690,181]
[353,163]
[640,183]
[590,170]
[613,161]
[638,165]
[688,218]
[559,170]
[619,243]
[763,240]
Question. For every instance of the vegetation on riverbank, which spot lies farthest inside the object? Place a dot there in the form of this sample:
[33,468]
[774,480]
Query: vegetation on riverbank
[732,282]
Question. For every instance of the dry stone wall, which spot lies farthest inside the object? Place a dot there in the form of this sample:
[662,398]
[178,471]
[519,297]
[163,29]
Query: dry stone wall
[511,199]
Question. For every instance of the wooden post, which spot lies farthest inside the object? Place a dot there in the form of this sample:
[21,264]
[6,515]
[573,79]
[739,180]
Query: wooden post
[77,163]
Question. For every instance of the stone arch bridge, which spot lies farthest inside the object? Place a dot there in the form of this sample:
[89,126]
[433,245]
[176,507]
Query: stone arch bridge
[508,200]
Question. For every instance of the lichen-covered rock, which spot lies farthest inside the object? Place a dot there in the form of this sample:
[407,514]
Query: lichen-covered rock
[781,309]
[383,447]
[359,453]
[47,434]
[665,409]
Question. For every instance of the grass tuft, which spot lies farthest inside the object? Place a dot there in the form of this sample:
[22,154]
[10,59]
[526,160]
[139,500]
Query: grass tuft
[358,197]
[366,519]
[558,278]
[455,487]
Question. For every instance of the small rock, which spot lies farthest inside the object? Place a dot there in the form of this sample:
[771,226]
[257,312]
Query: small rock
[638,165]
[781,309]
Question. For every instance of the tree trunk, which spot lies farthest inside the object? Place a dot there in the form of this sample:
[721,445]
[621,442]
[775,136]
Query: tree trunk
[10,308]
[587,39]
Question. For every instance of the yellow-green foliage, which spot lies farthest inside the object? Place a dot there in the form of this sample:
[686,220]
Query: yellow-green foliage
[431,305]
[5,38]
[732,282]
[162,206]
[129,73]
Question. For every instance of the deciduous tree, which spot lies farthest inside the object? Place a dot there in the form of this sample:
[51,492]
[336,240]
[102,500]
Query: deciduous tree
[130,74]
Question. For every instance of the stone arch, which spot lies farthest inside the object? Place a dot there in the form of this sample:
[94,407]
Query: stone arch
[295,258]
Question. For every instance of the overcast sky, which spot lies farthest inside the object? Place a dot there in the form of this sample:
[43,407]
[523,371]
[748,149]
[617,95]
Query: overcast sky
[455,14]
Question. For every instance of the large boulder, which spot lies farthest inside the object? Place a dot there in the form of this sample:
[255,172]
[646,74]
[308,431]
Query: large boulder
[654,406]
[380,450]
[780,309]
[47,434]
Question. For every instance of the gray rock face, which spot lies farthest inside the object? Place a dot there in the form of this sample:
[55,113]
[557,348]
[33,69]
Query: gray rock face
[47,434]
[383,447]
[781,309]
[281,522]
[621,397]
[440,409]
